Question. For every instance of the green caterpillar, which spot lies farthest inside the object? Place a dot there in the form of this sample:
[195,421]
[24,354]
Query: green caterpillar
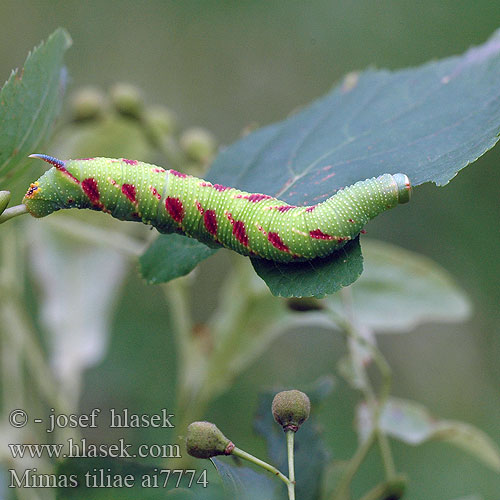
[250,224]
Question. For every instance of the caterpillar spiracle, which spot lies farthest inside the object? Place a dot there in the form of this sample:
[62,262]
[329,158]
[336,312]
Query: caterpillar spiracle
[249,223]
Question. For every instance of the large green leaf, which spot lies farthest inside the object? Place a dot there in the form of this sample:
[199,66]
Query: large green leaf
[30,100]
[428,122]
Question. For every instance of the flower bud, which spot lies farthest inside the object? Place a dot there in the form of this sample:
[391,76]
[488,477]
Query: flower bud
[291,409]
[205,440]
[87,103]
[127,99]
[395,488]
[161,119]
[198,144]
[4,200]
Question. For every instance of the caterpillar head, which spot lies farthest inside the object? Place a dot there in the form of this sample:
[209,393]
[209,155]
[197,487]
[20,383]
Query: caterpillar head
[38,201]
[404,187]
[44,196]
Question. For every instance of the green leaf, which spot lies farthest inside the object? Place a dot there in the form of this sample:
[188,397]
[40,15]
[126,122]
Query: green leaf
[412,423]
[400,289]
[311,454]
[428,122]
[30,101]
[171,256]
[314,278]
[245,483]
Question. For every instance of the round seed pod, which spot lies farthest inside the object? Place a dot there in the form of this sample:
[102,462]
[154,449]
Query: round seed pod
[161,120]
[291,409]
[87,103]
[198,144]
[205,440]
[127,99]
[396,488]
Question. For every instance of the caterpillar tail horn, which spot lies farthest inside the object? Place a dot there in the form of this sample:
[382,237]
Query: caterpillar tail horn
[49,159]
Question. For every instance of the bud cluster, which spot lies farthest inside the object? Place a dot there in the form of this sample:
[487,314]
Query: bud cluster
[190,150]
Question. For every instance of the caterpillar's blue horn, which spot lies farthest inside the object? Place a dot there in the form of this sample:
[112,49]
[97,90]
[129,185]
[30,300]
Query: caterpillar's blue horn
[49,159]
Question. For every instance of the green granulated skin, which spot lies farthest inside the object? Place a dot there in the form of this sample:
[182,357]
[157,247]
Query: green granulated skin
[250,224]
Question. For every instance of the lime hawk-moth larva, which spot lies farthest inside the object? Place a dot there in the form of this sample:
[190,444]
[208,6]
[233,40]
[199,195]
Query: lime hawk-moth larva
[250,223]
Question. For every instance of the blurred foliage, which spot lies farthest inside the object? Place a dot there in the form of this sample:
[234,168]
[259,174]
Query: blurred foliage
[246,484]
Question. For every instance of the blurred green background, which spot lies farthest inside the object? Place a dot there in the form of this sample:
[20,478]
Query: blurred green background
[224,65]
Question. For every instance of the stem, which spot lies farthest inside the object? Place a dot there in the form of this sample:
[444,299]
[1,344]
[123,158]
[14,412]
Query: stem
[257,461]
[13,212]
[386,454]
[376,402]
[379,401]
[16,325]
[177,297]
[290,435]
[386,374]
[352,468]
[18,329]
[190,369]
[24,362]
